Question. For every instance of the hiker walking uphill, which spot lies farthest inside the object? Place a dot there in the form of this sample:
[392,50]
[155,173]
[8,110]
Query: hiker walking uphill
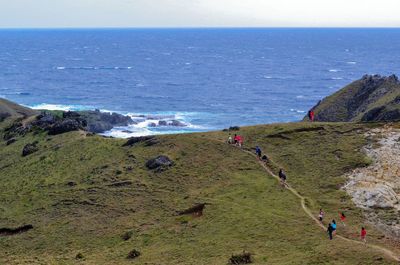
[334,226]
[330,231]
[311,115]
[321,215]
[282,177]
[363,235]
[343,218]
[258,152]
[230,139]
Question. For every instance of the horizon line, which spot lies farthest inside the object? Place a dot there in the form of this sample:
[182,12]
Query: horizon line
[198,27]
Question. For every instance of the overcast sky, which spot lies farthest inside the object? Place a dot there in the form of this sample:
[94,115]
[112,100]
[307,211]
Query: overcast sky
[199,13]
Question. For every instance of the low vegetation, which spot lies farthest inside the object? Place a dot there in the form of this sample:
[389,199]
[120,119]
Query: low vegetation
[95,196]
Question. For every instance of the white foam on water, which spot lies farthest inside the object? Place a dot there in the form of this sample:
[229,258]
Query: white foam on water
[46,106]
[337,78]
[334,70]
[297,111]
[351,62]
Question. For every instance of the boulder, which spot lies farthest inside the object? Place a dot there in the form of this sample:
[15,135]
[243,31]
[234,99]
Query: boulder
[30,149]
[382,196]
[159,163]
[177,123]
[4,115]
[63,126]
[147,140]
[162,123]
[11,141]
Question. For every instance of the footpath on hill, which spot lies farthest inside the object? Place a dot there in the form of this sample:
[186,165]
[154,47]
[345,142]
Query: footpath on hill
[384,250]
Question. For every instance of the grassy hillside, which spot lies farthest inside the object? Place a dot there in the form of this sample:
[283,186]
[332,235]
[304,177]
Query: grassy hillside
[10,109]
[372,98]
[83,193]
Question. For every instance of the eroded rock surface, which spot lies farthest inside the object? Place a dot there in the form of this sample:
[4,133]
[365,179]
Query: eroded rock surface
[376,188]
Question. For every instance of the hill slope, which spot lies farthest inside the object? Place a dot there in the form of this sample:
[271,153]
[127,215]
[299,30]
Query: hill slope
[94,196]
[372,98]
[11,109]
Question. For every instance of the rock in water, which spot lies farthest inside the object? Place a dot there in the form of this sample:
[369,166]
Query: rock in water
[99,122]
[160,163]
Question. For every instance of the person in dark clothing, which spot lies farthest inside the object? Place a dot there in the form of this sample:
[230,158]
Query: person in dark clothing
[330,231]
[282,177]
[258,152]
[264,158]
[282,174]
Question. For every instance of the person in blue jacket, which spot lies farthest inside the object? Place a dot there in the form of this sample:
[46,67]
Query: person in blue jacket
[334,226]
[258,152]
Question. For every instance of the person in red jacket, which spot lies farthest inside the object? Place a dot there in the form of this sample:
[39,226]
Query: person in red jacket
[363,235]
[343,218]
[312,115]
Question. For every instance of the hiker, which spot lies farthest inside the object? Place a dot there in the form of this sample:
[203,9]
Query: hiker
[230,140]
[311,115]
[363,235]
[321,215]
[330,231]
[343,218]
[334,226]
[258,152]
[264,158]
[282,177]
[239,141]
[235,139]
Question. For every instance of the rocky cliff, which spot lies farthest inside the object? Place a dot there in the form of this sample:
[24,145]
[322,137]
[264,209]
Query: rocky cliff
[372,98]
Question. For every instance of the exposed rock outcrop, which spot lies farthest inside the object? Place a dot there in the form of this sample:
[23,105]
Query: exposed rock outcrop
[376,188]
[372,98]
[30,149]
[147,140]
[159,163]
[99,122]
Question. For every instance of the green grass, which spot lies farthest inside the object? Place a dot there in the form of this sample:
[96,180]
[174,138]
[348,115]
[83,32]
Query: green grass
[246,208]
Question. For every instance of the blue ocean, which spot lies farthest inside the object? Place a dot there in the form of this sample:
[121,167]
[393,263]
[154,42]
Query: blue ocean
[208,79]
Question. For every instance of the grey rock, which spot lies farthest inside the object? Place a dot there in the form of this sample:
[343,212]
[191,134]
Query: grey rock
[29,149]
[160,163]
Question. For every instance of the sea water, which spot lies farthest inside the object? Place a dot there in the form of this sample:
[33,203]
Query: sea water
[208,79]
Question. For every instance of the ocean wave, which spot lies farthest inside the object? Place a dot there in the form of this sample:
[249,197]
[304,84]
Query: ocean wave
[337,78]
[156,123]
[334,70]
[94,68]
[351,62]
[297,111]
[46,106]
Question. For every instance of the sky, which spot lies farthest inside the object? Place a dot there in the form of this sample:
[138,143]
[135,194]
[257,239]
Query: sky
[198,13]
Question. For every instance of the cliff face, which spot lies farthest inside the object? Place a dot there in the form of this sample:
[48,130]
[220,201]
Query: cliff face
[372,98]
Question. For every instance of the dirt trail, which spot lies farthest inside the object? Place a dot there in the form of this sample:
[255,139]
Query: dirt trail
[386,251]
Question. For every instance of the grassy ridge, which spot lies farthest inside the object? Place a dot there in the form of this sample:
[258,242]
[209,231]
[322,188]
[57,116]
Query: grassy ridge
[82,193]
